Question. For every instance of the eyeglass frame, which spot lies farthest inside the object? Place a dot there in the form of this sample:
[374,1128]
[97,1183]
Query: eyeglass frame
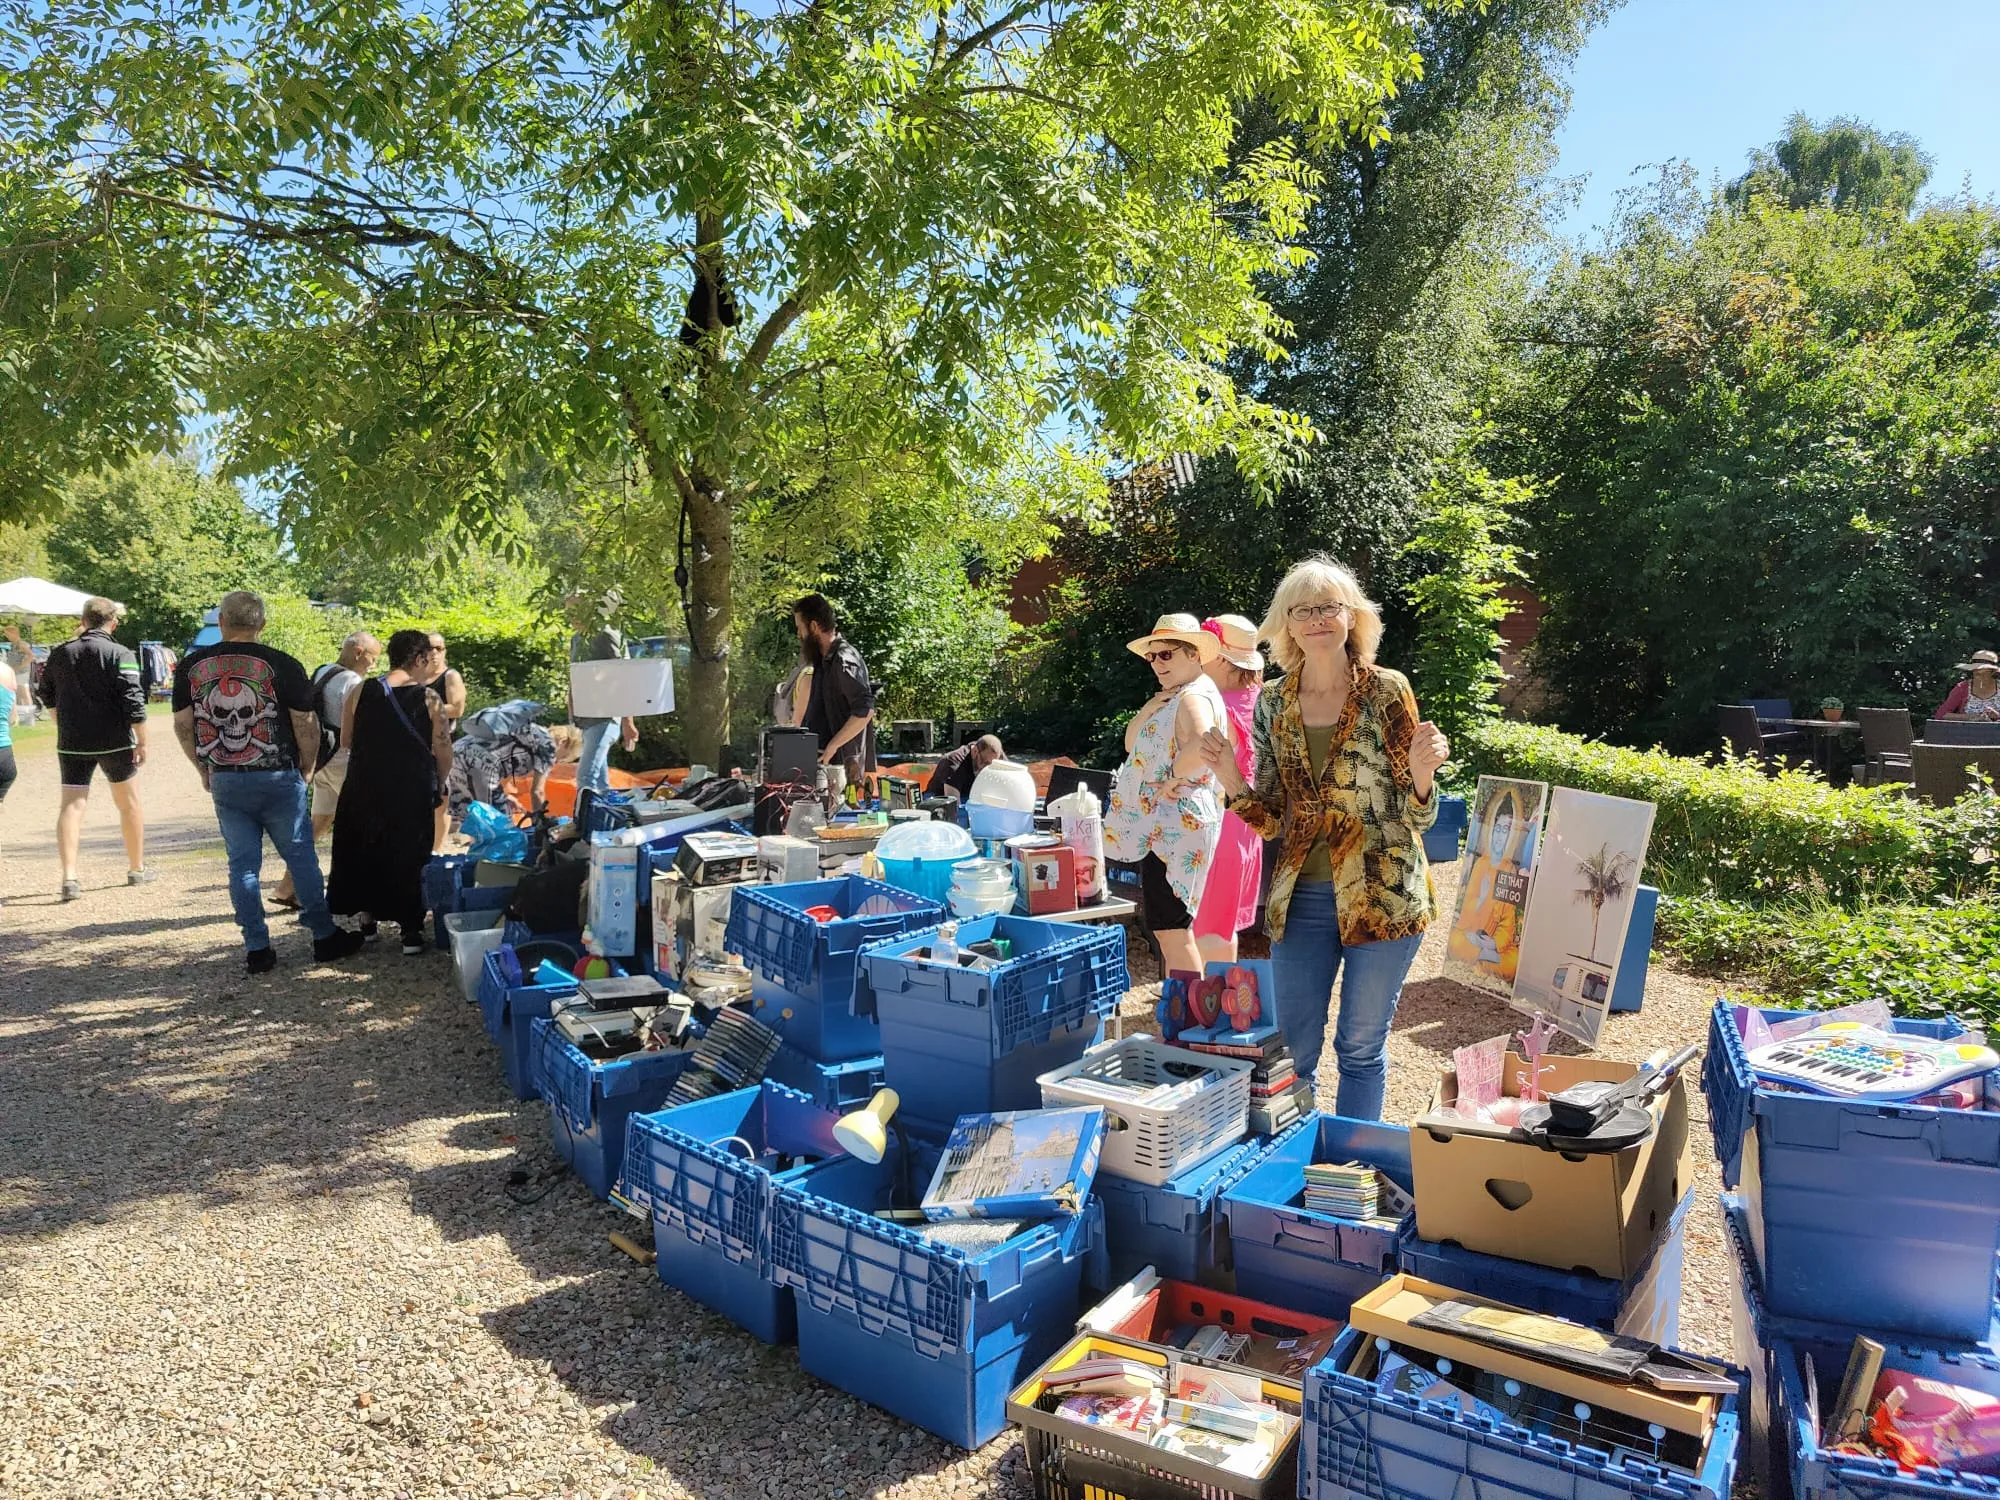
[1174,649]
[1301,614]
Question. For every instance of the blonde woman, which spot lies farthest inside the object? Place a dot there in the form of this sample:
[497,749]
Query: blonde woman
[1345,773]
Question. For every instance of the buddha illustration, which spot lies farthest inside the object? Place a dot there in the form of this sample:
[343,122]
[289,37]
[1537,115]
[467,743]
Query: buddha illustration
[1488,932]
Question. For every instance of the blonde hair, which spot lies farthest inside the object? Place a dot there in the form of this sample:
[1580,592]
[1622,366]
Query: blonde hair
[569,742]
[1314,580]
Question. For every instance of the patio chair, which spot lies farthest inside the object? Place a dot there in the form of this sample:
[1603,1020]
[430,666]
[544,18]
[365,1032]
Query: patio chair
[1886,736]
[1742,735]
[1942,773]
[1772,708]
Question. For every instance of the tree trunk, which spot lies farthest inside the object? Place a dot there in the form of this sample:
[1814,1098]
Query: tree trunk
[712,617]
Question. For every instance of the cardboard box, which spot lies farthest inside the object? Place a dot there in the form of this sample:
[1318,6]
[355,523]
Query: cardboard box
[688,922]
[709,857]
[614,900]
[1046,879]
[1599,1214]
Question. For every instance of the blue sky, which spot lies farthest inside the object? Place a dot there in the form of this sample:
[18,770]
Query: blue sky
[1706,80]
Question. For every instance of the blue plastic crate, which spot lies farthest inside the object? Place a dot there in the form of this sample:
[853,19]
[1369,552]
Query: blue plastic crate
[967,1041]
[1358,1443]
[1628,992]
[590,1102]
[711,1202]
[936,1335]
[1175,1227]
[805,969]
[1890,1212]
[1291,1256]
[838,1086]
[444,877]
[1442,838]
[1646,1305]
[510,1009]
[1763,1341]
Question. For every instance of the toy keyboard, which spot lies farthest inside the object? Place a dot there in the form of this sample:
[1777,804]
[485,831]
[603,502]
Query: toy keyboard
[1859,1062]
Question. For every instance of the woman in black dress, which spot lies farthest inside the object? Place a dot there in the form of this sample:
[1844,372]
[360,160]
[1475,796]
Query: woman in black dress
[399,754]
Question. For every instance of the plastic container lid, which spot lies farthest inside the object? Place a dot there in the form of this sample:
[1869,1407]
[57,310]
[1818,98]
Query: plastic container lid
[929,840]
[1005,783]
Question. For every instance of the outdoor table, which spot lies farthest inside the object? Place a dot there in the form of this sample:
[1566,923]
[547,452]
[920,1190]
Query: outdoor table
[1825,734]
[1110,909]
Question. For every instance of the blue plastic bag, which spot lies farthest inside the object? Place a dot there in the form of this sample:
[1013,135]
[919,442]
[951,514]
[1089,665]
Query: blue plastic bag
[493,836]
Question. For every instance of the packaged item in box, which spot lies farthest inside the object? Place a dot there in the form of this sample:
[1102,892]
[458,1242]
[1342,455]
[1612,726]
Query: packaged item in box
[782,859]
[1029,1162]
[1046,879]
[710,857]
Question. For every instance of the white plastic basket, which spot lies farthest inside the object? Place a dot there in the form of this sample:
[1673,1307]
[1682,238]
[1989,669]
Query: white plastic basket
[473,935]
[1155,1127]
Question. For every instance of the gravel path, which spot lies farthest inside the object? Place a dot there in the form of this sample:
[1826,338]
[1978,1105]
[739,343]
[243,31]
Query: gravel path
[254,1238]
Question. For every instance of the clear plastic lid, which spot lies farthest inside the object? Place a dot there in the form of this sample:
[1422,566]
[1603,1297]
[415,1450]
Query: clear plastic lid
[928,840]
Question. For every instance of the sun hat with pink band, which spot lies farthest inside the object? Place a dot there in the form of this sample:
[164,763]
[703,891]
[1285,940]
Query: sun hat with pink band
[1239,641]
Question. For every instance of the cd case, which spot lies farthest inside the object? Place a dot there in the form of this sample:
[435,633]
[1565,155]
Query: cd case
[1030,1163]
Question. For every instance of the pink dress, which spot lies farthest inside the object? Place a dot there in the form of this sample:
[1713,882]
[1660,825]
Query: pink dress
[1229,902]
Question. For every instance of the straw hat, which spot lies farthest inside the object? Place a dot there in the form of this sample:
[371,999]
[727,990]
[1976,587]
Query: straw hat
[1181,630]
[1239,641]
[1982,661]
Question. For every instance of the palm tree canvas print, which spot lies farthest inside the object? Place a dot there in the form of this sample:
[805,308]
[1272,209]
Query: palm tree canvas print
[1593,849]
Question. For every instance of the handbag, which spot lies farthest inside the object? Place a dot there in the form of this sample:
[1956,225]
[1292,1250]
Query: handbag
[430,758]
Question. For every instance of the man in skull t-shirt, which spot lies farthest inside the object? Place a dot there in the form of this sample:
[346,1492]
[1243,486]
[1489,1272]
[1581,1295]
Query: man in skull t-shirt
[244,714]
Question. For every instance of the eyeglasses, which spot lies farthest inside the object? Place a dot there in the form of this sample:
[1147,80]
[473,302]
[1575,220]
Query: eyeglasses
[1302,613]
[1167,655]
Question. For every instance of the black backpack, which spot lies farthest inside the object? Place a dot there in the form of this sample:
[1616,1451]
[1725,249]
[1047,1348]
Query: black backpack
[329,729]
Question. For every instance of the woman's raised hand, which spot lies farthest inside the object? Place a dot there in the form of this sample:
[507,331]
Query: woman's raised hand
[1214,747]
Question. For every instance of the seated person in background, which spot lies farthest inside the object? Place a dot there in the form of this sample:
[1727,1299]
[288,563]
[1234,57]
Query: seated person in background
[1978,697]
[961,768]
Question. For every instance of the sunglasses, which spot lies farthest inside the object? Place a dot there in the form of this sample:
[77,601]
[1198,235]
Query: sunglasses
[1305,612]
[1167,655]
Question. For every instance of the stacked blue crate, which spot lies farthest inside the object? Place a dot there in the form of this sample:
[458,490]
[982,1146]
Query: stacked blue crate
[1786,1458]
[838,1086]
[1645,1305]
[968,1041]
[1360,1443]
[1888,1212]
[591,1101]
[510,1002]
[1293,1256]
[933,1333]
[706,1173]
[1177,1226]
[804,969]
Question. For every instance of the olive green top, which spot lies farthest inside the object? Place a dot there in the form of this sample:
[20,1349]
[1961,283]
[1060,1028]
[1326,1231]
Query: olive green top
[1318,868]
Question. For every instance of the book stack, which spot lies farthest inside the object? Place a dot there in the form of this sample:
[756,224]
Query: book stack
[1278,1096]
[1347,1191]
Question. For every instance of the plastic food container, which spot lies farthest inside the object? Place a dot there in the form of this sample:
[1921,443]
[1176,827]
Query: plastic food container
[920,857]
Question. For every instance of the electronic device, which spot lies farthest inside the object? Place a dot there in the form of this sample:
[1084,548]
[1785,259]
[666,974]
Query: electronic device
[621,991]
[582,1026]
[614,899]
[788,756]
[1065,779]
[1860,1062]
[711,857]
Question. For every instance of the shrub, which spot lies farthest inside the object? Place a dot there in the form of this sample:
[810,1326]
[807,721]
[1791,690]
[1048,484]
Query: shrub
[1726,829]
[501,654]
[1933,960]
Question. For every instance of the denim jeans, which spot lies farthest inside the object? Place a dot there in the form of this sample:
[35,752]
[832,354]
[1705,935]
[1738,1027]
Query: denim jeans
[248,806]
[1305,963]
[593,767]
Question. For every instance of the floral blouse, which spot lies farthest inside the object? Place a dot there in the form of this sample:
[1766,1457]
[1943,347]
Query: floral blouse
[1363,803]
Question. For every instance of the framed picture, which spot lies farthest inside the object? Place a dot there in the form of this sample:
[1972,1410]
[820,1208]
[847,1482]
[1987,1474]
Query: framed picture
[1496,873]
[1586,878]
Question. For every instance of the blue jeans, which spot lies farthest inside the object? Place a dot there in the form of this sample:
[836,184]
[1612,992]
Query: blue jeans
[249,805]
[593,767]
[1305,964]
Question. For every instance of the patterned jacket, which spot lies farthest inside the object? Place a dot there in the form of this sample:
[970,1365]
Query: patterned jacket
[1364,806]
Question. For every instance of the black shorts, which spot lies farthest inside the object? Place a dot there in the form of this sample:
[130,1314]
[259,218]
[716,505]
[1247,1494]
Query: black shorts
[79,766]
[7,770]
[1165,912]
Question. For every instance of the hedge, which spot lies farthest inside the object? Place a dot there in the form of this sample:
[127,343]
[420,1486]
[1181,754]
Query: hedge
[1727,829]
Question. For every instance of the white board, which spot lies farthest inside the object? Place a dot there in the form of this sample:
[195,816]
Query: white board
[621,689]
[1586,880]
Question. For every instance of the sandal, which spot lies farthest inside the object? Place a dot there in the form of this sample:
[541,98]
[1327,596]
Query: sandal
[285,903]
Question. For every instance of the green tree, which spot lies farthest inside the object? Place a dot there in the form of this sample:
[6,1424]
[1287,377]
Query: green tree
[1770,459]
[1412,242]
[165,540]
[772,261]
[1844,164]
[1464,564]
[929,633]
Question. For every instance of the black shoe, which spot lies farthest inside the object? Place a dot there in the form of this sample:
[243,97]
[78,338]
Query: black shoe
[338,945]
[261,960]
[370,931]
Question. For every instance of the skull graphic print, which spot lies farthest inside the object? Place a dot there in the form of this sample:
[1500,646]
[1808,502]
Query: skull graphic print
[236,712]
